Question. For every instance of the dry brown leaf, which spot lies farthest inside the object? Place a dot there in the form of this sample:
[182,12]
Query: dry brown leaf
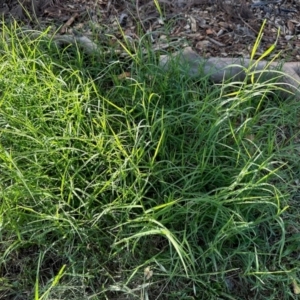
[124,75]
[296,288]
[148,273]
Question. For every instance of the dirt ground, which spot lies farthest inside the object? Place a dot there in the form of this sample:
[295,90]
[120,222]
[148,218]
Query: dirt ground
[214,28]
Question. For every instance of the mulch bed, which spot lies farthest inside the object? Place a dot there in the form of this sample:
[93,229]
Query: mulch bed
[214,28]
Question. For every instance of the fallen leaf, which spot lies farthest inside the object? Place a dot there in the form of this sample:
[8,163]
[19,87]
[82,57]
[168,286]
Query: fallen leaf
[148,273]
[296,287]
[124,75]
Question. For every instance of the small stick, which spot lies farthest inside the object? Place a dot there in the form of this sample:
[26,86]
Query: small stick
[68,23]
[250,27]
[215,42]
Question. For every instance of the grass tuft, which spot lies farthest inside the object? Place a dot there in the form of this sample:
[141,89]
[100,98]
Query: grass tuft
[150,186]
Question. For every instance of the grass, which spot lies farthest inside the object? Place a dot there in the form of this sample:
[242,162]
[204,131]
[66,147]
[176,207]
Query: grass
[153,186]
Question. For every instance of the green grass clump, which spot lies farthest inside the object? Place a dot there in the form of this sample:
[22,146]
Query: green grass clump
[153,186]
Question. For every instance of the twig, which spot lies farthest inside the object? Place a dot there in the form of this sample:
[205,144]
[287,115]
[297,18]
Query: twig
[250,27]
[68,23]
[215,42]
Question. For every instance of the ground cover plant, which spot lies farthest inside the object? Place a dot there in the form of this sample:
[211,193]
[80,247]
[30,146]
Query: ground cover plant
[148,185]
